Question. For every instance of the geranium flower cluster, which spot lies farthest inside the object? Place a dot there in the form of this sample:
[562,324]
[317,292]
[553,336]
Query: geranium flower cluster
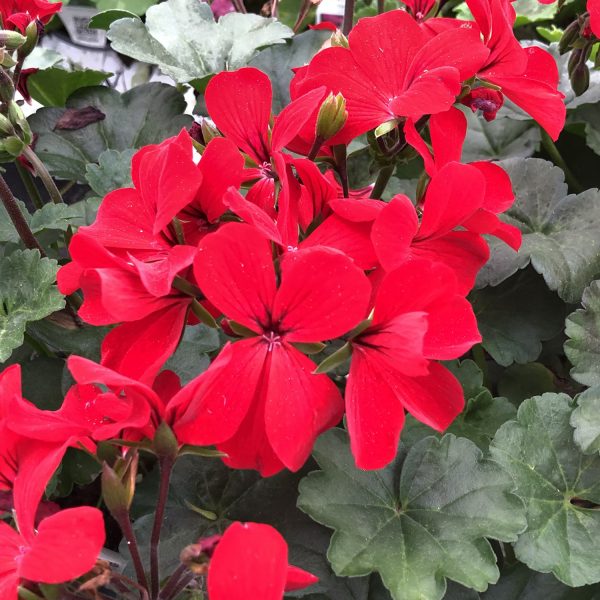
[251,227]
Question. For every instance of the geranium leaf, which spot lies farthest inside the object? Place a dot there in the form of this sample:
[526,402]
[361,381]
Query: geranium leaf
[146,114]
[183,39]
[422,519]
[583,330]
[499,139]
[586,420]
[52,87]
[516,316]
[113,171]
[560,487]
[278,61]
[27,293]
[560,231]
[520,382]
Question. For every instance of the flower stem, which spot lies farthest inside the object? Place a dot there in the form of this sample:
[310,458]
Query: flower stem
[550,147]
[124,522]
[383,178]
[339,153]
[30,186]
[43,174]
[348,17]
[17,218]
[166,468]
[172,583]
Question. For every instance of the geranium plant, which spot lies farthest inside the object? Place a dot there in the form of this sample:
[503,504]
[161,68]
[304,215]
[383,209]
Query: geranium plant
[332,334]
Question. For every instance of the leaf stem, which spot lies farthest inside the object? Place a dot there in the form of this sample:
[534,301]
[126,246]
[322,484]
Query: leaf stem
[550,147]
[171,585]
[43,174]
[341,164]
[166,468]
[348,17]
[17,218]
[26,594]
[383,178]
[124,521]
[30,186]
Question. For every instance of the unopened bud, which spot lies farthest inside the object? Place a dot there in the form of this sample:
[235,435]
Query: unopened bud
[7,89]
[339,39]
[6,59]
[13,145]
[580,78]
[6,126]
[118,484]
[570,34]
[196,557]
[11,40]
[17,118]
[32,34]
[332,116]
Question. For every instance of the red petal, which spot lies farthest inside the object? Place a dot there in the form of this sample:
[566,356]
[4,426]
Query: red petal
[67,546]
[453,195]
[448,131]
[299,405]
[418,143]
[235,271]
[374,414]
[499,194]
[322,295]
[253,215]
[250,561]
[139,349]
[298,579]
[221,166]
[239,103]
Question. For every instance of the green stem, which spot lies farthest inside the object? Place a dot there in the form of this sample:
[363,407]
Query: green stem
[30,186]
[42,173]
[383,178]
[550,147]
[166,468]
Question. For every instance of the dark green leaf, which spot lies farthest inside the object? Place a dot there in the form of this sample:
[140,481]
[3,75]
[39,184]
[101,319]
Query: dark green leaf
[113,171]
[183,39]
[586,420]
[519,382]
[135,7]
[27,293]
[560,231]
[583,346]
[422,519]
[559,486]
[52,87]
[146,114]
[42,382]
[104,19]
[516,316]
[277,62]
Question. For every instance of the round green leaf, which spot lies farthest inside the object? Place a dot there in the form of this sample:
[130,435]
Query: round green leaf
[422,519]
[583,330]
[560,487]
[586,420]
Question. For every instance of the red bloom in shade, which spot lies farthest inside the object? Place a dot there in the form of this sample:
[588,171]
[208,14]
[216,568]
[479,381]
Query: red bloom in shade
[527,76]
[453,195]
[19,13]
[273,419]
[448,131]
[239,103]
[419,317]
[251,561]
[393,69]
[65,545]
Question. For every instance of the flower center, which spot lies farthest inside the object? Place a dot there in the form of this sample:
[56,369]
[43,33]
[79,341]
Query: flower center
[273,339]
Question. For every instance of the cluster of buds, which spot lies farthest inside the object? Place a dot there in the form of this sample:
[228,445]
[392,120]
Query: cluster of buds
[579,39]
[15,133]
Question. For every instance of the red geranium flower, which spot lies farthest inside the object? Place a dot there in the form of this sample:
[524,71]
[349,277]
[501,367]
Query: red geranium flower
[272,420]
[394,69]
[419,317]
[593,7]
[251,561]
[19,13]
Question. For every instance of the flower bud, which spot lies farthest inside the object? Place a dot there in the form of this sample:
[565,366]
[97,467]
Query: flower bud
[17,118]
[13,145]
[7,89]
[32,34]
[580,78]
[332,116]
[6,59]
[339,39]
[11,40]
[570,34]
[118,484]
[6,126]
